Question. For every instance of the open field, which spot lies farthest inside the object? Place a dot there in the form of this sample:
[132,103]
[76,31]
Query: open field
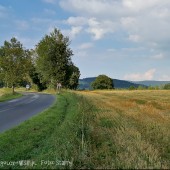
[94,129]
[132,128]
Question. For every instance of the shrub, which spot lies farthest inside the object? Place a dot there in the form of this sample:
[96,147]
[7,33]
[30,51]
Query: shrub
[132,88]
[167,86]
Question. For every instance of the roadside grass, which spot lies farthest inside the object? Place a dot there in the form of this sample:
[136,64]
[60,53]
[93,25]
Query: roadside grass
[94,130]
[51,91]
[22,89]
[6,94]
[57,134]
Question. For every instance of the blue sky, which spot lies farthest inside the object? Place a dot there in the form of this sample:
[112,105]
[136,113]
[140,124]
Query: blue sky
[124,39]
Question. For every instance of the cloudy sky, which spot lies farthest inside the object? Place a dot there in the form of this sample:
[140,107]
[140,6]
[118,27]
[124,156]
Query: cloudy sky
[124,39]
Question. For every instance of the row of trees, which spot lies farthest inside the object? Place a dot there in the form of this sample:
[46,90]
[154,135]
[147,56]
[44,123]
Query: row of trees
[167,86]
[162,87]
[45,66]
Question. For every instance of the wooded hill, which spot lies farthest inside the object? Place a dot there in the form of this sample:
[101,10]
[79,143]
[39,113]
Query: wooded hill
[151,82]
[120,84]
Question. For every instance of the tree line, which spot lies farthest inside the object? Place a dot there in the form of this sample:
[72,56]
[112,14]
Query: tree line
[105,82]
[45,66]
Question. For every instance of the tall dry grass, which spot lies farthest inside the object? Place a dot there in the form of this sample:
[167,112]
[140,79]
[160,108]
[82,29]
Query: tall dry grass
[2,91]
[131,129]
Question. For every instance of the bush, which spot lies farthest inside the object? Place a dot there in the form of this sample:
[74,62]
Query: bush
[103,82]
[141,87]
[132,88]
[167,86]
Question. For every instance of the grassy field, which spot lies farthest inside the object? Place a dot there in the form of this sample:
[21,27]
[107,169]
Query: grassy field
[132,128]
[6,94]
[94,129]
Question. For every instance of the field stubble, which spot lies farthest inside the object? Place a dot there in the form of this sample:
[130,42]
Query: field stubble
[131,129]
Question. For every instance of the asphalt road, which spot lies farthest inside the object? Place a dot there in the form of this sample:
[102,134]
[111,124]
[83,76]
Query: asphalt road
[15,111]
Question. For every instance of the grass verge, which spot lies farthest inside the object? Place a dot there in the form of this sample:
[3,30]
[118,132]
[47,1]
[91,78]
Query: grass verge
[6,94]
[56,135]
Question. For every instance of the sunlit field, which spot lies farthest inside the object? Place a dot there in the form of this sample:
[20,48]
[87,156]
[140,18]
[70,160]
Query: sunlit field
[95,130]
[132,128]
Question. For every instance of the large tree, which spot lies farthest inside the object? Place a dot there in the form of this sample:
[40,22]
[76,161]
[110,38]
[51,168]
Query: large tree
[103,82]
[54,63]
[14,62]
[73,79]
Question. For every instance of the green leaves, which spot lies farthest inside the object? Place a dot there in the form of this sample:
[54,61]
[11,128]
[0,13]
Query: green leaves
[103,82]
[167,86]
[54,60]
[14,62]
[50,63]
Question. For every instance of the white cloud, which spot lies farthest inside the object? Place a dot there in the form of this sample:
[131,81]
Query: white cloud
[161,13]
[96,32]
[148,75]
[86,46]
[100,28]
[76,21]
[138,5]
[128,21]
[97,28]
[144,22]
[73,32]
[134,38]
[90,7]
[111,8]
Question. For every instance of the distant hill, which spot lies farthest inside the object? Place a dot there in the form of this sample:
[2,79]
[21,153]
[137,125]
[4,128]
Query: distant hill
[151,82]
[120,84]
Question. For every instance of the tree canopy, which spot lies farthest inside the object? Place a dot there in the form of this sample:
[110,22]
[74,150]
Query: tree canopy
[14,62]
[103,82]
[45,66]
[54,61]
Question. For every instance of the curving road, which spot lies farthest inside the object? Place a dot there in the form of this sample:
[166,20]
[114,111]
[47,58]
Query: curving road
[15,111]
